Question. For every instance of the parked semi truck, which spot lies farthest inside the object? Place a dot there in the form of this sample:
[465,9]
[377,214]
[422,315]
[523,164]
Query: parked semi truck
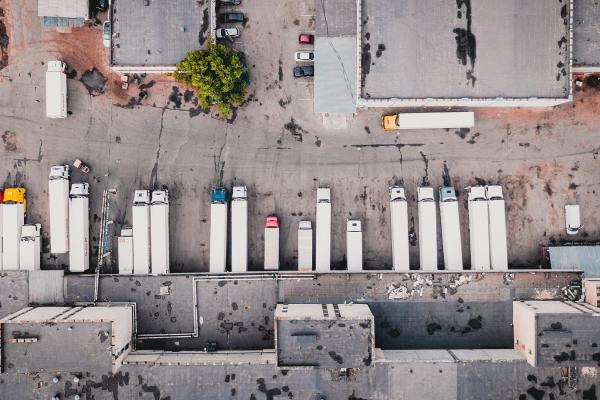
[13,219]
[479,236]
[323,234]
[30,247]
[451,241]
[354,253]
[141,232]
[399,225]
[218,230]
[79,228]
[159,232]
[305,246]
[428,251]
[497,227]
[56,90]
[58,202]
[239,229]
[272,243]
[11,196]
[125,249]
[431,120]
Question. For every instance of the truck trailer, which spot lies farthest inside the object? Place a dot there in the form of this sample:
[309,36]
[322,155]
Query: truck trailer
[323,234]
[218,230]
[58,202]
[56,90]
[433,120]
[305,246]
[272,243]
[451,241]
[399,225]
[239,229]
[159,232]
[141,232]
[30,247]
[497,227]
[479,236]
[125,249]
[13,218]
[354,253]
[79,228]
[428,251]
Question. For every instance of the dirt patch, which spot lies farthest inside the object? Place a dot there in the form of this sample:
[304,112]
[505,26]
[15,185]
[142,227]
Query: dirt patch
[296,130]
[9,139]
[94,81]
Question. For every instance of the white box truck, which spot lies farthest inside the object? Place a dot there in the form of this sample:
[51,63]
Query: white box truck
[125,249]
[428,251]
[479,236]
[13,218]
[239,229]
[30,247]
[451,241]
[497,227]
[58,202]
[218,230]
[305,246]
[323,234]
[141,232]
[79,228]
[159,232]
[432,120]
[399,225]
[56,90]
[272,243]
[354,254]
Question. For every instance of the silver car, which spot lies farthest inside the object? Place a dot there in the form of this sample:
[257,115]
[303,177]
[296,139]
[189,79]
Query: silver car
[106,33]
[305,56]
[222,33]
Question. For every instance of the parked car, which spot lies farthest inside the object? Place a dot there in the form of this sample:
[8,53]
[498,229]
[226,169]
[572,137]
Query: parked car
[231,17]
[106,33]
[230,2]
[305,56]
[227,33]
[80,165]
[101,5]
[573,219]
[304,70]
[306,38]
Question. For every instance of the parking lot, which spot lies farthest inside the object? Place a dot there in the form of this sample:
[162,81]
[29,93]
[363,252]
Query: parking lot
[281,150]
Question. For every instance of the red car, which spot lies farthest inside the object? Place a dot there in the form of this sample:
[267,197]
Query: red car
[305,38]
[272,222]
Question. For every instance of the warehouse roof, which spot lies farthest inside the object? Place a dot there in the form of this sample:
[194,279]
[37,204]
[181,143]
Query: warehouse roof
[586,33]
[64,8]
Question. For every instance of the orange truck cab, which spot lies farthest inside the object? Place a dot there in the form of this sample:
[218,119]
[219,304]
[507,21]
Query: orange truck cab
[15,195]
[390,122]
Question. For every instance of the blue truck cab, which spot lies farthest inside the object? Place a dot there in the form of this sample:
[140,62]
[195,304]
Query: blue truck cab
[447,193]
[218,195]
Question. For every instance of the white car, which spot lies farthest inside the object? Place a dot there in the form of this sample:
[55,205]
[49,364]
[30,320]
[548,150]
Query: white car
[227,33]
[106,33]
[572,219]
[305,56]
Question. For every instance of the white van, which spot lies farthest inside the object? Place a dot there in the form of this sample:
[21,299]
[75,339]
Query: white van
[572,219]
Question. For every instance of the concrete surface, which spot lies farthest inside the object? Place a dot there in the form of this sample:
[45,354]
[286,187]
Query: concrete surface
[586,33]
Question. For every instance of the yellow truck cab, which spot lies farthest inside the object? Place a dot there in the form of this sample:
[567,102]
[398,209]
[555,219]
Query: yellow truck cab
[16,195]
[389,122]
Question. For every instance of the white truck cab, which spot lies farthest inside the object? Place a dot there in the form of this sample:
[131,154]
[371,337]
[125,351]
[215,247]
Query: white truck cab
[573,219]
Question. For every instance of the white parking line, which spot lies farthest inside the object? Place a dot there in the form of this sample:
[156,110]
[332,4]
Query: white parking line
[307,15]
[305,99]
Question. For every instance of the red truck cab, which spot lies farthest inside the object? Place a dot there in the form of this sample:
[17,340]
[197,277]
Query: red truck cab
[272,221]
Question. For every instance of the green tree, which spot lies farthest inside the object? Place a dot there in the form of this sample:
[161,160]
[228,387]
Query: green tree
[217,73]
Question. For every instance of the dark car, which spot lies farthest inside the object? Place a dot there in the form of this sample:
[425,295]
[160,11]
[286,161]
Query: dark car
[231,17]
[230,2]
[304,70]
[305,38]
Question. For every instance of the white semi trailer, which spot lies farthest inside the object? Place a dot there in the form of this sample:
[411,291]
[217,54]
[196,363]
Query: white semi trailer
[58,202]
[323,234]
[399,225]
[159,232]
[30,247]
[125,249]
[218,230]
[13,218]
[428,251]
[239,229]
[479,239]
[56,90]
[451,241]
[272,243]
[141,232]
[305,246]
[497,227]
[79,228]
[354,253]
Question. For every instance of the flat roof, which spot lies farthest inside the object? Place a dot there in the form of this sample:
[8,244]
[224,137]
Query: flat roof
[159,33]
[420,49]
[322,311]
[586,33]
[586,258]
[64,8]
[549,307]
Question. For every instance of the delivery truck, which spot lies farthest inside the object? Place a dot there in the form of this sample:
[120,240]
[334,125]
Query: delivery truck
[58,202]
[125,249]
[428,251]
[354,253]
[479,239]
[30,247]
[13,219]
[159,232]
[305,246]
[433,120]
[218,230]
[56,90]
[323,234]
[399,225]
[141,232]
[239,229]
[451,241]
[497,227]
[272,243]
[79,228]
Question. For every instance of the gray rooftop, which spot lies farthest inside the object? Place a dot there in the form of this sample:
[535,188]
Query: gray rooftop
[417,49]
[586,258]
[157,34]
[586,33]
